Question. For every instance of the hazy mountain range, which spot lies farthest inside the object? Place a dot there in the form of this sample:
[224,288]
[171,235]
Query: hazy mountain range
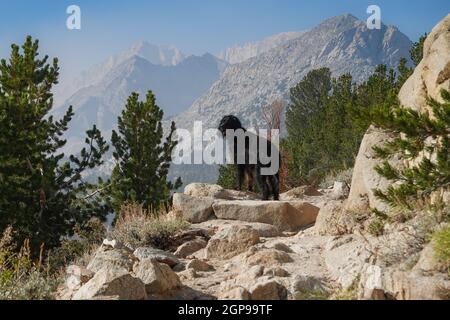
[240,80]
[177,82]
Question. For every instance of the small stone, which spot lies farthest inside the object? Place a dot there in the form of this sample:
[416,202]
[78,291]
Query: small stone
[282,247]
[237,293]
[199,265]
[145,253]
[231,241]
[268,290]
[190,247]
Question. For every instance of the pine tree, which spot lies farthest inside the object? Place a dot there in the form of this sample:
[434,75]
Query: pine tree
[42,193]
[143,160]
[380,87]
[308,100]
[322,137]
[417,134]
[416,51]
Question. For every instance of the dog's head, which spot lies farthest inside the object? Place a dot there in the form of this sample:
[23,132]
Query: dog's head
[229,123]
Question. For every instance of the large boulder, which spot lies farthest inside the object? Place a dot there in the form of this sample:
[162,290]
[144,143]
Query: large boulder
[365,179]
[193,209]
[265,230]
[109,258]
[157,277]
[112,282]
[231,241]
[286,216]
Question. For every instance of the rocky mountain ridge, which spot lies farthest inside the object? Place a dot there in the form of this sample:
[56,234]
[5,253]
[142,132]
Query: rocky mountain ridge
[238,54]
[343,44]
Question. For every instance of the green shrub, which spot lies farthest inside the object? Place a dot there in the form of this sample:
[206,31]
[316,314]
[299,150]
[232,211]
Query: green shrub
[316,294]
[417,134]
[376,227]
[441,240]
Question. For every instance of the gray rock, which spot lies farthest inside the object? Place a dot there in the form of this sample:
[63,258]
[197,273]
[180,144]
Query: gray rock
[145,253]
[231,241]
[199,265]
[111,258]
[112,281]
[268,290]
[286,216]
[190,247]
[193,209]
[157,277]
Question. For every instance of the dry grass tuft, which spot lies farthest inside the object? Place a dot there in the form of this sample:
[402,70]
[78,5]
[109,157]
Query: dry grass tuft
[138,227]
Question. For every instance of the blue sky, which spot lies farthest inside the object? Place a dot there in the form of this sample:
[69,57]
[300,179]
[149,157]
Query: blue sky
[194,26]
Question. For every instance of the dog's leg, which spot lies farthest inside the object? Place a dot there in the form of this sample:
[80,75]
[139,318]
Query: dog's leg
[262,184]
[275,185]
[250,173]
[240,171]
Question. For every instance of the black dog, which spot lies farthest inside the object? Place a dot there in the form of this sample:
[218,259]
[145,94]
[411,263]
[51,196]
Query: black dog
[248,169]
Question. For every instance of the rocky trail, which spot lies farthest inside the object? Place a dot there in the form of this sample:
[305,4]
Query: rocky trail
[249,260]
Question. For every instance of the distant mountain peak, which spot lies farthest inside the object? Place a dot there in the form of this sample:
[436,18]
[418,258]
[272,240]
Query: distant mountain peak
[340,23]
[241,53]
[157,54]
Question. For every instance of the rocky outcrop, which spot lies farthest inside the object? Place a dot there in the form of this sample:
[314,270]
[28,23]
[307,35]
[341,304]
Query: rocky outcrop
[365,178]
[202,202]
[429,78]
[433,73]
[286,216]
